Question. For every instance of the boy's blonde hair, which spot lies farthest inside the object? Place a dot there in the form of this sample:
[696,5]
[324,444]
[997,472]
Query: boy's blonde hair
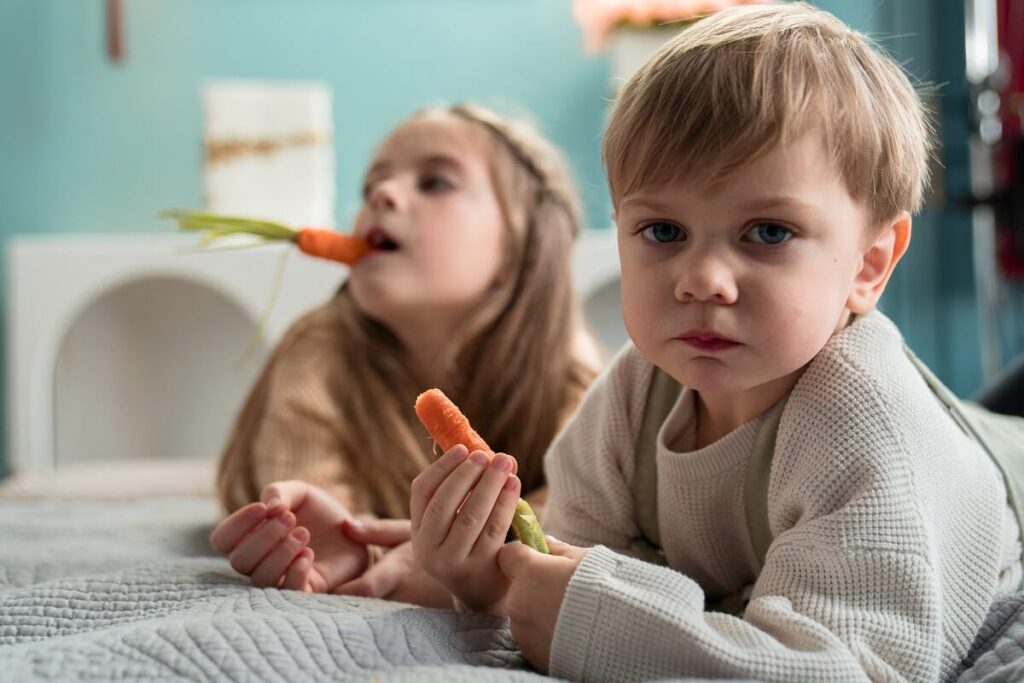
[733,86]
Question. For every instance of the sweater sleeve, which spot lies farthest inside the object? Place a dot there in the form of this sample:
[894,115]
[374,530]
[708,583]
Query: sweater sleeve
[589,466]
[814,617]
[880,568]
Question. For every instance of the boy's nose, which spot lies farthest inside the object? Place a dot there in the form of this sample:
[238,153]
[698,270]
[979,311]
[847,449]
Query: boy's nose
[706,279]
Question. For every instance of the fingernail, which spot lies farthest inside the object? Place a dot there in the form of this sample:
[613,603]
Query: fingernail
[458,453]
[355,525]
[273,503]
[479,458]
[287,520]
[502,462]
[511,483]
[300,534]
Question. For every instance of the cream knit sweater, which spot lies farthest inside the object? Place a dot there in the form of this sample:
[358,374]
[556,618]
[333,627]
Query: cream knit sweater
[891,531]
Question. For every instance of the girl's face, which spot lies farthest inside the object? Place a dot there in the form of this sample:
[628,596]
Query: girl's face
[431,213]
[735,289]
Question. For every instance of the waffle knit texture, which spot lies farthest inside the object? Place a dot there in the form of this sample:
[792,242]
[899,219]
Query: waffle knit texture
[890,526]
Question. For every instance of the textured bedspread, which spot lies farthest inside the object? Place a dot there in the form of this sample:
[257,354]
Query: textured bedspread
[102,591]
[131,591]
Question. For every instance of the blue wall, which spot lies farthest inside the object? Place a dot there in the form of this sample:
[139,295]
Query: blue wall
[93,145]
[87,145]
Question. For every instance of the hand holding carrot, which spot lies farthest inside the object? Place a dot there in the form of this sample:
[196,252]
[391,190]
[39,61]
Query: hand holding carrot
[538,586]
[462,506]
[449,427]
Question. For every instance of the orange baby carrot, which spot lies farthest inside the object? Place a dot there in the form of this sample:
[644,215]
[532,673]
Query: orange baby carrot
[331,245]
[446,424]
[449,427]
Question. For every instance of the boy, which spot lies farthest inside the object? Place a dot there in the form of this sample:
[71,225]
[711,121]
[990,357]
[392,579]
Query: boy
[763,168]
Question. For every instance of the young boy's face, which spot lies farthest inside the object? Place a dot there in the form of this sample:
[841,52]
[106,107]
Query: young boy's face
[733,287]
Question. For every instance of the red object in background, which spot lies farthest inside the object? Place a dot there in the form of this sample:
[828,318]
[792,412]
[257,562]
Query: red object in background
[115,30]
[1010,151]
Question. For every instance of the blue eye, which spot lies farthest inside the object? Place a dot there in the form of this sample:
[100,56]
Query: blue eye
[662,232]
[769,233]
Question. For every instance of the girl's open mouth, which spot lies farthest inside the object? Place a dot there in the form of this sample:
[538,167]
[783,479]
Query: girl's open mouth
[380,240]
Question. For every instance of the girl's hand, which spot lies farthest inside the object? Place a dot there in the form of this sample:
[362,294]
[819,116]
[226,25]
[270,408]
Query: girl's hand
[397,575]
[292,539]
[461,511]
[535,595]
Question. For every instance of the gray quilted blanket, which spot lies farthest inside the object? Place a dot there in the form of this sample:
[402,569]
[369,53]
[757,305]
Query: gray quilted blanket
[131,591]
[104,591]
[997,655]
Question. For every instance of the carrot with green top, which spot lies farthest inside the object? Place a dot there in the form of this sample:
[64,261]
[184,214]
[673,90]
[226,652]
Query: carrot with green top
[449,427]
[319,242]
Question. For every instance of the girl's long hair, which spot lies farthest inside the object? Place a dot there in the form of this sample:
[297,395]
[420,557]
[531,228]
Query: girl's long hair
[522,361]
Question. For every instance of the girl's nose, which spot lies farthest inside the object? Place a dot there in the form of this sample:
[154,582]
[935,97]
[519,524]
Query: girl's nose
[706,279]
[385,195]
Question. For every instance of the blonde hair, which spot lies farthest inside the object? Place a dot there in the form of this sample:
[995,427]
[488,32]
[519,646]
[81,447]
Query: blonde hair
[735,85]
[519,369]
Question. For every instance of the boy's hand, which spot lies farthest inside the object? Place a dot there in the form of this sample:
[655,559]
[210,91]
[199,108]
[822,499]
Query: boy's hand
[292,539]
[538,586]
[397,575]
[461,511]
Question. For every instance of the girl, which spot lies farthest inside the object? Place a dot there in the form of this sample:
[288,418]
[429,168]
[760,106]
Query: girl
[471,219]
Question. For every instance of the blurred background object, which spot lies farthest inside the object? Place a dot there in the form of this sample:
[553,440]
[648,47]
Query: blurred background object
[633,30]
[269,151]
[994,62]
[104,121]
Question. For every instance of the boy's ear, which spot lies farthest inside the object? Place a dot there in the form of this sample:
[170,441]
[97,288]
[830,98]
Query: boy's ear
[879,260]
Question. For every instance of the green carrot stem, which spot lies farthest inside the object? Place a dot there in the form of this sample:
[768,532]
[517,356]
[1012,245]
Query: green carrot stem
[527,528]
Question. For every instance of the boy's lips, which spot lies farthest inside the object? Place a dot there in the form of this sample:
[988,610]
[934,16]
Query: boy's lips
[706,340]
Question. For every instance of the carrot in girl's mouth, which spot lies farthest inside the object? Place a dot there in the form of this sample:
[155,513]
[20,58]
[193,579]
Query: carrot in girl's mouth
[332,245]
[449,427]
[318,242]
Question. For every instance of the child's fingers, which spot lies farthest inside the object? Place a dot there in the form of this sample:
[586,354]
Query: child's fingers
[477,511]
[261,542]
[383,532]
[275,564]
[444,507]
[297,577]
[515,463]
[424,485]
[562,549]
[284,495]
[514,558]
[226,535]
[376,582]
[492,537]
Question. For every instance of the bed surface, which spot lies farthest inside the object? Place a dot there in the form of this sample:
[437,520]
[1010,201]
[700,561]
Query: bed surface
[124,585]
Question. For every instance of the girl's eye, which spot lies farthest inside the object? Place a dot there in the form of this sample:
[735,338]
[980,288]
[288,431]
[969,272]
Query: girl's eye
[769,233]
[434,183]
[662,232]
